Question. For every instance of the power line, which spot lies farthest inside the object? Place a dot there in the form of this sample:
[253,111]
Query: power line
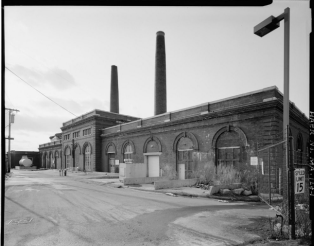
[40,92]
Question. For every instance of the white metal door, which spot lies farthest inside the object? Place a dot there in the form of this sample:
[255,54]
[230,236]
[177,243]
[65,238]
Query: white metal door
[181,171]
[153,166]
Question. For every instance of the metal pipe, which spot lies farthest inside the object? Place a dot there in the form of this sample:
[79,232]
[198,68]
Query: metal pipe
[269,184]
[280,192]
[292,206]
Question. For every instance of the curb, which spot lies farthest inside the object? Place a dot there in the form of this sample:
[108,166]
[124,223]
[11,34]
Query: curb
[182,193]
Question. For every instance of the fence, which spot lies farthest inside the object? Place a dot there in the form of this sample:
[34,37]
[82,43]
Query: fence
[291,188]
[271,161]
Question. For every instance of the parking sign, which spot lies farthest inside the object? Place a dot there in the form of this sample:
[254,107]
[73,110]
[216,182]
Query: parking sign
[299,178]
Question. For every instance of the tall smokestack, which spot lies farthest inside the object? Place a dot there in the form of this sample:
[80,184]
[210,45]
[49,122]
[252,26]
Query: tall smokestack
[160,75]
[114,90]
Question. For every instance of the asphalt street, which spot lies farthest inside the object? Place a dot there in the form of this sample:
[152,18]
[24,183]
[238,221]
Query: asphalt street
[43,208]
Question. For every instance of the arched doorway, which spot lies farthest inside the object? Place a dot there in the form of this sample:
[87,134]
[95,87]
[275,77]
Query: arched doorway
[184,158]
[48,160]
[152,152]
[111,153]
[185,144]
[68,158]
[87,158]
[77,156]
[52,161]
[57,160]
[44,163]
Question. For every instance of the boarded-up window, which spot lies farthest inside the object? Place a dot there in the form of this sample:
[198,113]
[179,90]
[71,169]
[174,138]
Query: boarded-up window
[229,145]
[128,153]
[229,156]
[152,146]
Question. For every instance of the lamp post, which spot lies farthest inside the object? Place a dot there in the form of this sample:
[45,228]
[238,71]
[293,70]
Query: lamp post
[262,29]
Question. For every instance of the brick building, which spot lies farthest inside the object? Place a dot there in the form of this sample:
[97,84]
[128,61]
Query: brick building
[182,143]
[187,141]
[83,133]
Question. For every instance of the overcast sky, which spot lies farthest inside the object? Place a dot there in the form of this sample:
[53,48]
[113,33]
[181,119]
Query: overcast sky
[211,53]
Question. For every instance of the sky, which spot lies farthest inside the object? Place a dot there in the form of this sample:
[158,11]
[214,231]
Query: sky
[66,53]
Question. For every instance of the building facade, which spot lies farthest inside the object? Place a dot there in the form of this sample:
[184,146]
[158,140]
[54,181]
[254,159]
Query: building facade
[185,143]
[81,136]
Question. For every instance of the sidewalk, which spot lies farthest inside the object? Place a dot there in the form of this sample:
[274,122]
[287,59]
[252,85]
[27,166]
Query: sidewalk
[112,179]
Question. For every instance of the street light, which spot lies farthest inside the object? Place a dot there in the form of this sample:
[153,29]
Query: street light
[262,29]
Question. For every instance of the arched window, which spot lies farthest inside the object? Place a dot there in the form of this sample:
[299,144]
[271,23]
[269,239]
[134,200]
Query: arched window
[87,161]
[128,153]
[230,143]
[229,148]
[67,158]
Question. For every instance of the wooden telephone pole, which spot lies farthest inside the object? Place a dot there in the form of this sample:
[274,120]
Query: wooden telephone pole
[11,120]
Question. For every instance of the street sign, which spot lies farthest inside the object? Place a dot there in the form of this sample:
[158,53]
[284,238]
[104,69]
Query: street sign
[299,178]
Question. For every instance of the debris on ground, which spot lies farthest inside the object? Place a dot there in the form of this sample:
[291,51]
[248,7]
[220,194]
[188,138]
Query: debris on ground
[222,201]
[170,194]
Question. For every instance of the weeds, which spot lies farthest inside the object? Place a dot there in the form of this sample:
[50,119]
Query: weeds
[280,228]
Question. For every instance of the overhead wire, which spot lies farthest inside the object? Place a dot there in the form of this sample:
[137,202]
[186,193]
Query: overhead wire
[40,92]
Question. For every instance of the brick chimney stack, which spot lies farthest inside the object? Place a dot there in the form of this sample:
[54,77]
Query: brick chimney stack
[160,75]
[114,90]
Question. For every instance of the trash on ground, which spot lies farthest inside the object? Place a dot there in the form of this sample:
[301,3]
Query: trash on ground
[170,194]
[222,201]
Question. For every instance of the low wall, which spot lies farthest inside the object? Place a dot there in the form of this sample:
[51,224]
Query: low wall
[174,183]
[144,180]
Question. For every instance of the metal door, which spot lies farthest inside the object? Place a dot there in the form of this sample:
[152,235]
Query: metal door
[181,171]
[153,166]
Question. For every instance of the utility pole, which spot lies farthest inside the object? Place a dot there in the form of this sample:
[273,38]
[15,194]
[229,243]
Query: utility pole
[9,138]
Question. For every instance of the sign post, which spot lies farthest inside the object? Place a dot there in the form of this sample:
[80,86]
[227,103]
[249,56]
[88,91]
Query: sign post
[299,178]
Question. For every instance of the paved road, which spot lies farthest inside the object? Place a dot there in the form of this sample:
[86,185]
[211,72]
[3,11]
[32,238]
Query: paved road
[67,211]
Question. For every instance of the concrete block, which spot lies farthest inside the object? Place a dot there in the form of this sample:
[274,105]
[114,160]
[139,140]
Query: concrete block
[213,190]
[238,191]
[247,192]
[225,191]
[174,183]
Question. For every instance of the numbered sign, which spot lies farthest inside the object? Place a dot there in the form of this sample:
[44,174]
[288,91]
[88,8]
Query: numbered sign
[299,180]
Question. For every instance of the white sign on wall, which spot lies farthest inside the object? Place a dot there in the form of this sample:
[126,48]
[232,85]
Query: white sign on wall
[299,180]
[117,162]
[254,161]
